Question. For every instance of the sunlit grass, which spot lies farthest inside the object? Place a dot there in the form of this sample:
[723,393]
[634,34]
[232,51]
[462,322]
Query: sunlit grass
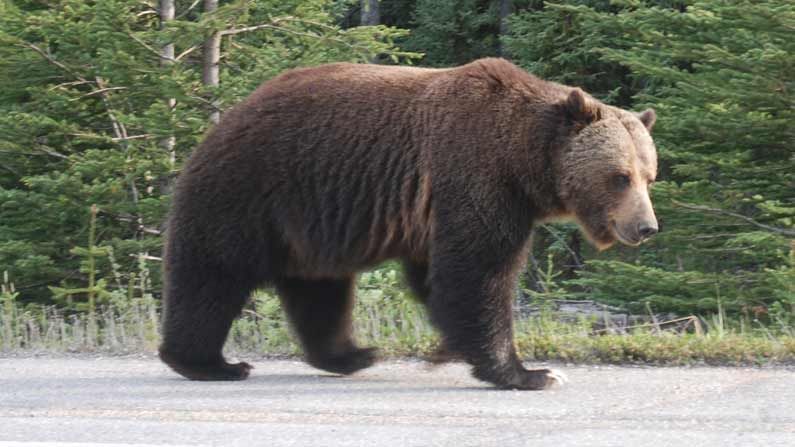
[551,340]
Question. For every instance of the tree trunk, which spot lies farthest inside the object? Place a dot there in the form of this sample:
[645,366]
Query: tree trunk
[167,11]
[371,13]
[532,273]
[212,56]
[575,261]
[506,8]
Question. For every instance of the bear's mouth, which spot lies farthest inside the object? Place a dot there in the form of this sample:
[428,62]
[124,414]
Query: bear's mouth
[626,240]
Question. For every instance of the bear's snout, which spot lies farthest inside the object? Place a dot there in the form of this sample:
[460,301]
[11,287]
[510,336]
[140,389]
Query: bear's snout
[636,231]
[647,229]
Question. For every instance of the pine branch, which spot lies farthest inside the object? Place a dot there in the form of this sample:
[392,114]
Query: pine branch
[150,49]
[51,60]
[562,241]
[10,169]
[751,221]
[274,25]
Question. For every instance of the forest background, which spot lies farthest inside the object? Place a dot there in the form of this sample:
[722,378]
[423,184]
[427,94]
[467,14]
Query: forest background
[101,102]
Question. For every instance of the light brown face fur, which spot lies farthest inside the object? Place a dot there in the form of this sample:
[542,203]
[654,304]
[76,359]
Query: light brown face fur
[609,165]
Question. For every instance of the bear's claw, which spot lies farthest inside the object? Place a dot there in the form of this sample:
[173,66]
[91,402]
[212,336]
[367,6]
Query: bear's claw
[557,378]
[535,379]
[542,379]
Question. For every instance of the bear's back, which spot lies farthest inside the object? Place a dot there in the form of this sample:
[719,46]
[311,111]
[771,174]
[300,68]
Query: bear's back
[334,157]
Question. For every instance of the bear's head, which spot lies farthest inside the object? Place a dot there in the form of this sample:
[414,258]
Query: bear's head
[606,167]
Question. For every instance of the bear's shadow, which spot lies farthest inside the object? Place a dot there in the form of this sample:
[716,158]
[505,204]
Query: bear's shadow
[359,384]
[315,384]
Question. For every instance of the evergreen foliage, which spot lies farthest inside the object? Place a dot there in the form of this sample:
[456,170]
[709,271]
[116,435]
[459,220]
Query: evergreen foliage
[93,114]
[719,74]
[84,113]
[454,32]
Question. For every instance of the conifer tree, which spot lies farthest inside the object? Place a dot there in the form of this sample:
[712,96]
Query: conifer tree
[101,102]
[719,74]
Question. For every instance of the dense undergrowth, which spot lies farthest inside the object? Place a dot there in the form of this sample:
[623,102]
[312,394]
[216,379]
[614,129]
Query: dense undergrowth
[387,317]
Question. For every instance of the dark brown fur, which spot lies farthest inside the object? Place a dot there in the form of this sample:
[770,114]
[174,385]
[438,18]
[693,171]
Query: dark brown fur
[326,171]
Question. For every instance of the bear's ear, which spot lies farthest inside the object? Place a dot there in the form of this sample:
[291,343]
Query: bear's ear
[581,108]
[648,117]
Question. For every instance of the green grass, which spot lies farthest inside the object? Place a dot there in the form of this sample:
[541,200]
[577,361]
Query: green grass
[387,318]
[551,340]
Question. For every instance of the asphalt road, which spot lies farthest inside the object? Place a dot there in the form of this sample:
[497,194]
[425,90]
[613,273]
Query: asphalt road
[129,401]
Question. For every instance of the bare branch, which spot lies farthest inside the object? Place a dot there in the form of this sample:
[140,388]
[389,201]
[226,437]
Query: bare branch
[33,154]
[208,103]
[234,31]
[100,91]
[193,5]
[270,24]
[186,52]
[67,84]
[120,130]
[88,135]
[126,218]
[133,137]
[52,152]
[53,61]
[707,209]
[150,49]
[44,149]
[118,127]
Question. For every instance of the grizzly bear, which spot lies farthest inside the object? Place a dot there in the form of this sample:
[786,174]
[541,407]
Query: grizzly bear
[324,172]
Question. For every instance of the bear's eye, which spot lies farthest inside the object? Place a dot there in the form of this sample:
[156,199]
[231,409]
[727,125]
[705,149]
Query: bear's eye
[621,181]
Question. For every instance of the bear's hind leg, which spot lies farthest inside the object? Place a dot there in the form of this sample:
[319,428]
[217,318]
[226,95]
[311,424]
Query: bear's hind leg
[320,313]
[417,277]
[198,313]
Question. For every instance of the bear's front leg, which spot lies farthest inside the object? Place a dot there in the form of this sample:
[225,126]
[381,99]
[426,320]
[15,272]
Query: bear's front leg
[472,286]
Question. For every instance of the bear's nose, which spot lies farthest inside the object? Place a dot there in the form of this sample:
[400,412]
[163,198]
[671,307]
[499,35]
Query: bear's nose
[646,230]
